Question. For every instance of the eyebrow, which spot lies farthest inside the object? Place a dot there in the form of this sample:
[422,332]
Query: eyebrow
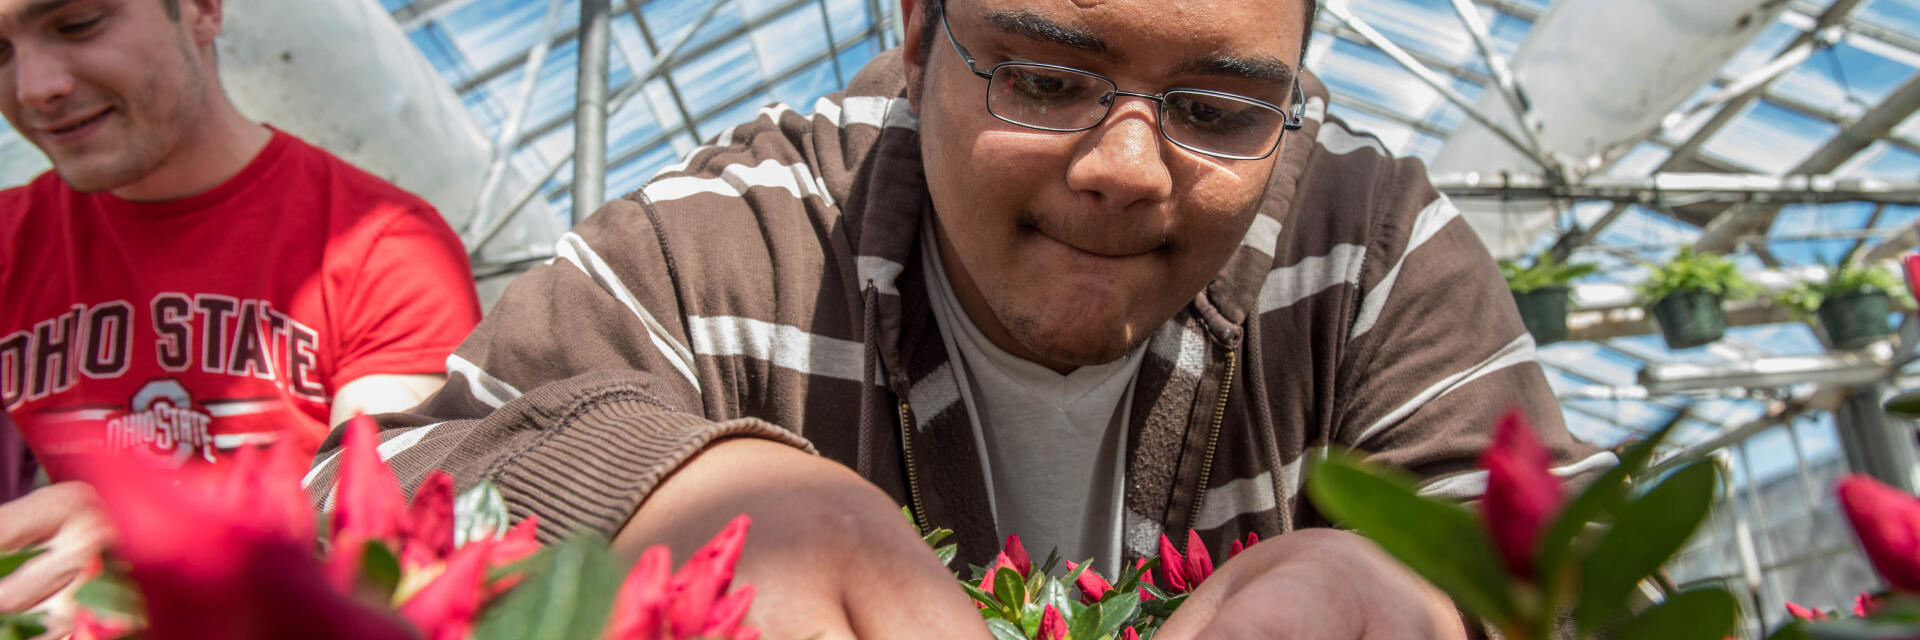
[1258,68]
[1034,26]
[40,9]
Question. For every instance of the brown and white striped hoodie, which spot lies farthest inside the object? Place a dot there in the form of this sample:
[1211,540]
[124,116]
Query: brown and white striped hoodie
[768,286]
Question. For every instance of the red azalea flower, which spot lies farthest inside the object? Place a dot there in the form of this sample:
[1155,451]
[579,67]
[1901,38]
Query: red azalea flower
[1053,626]
[999,562]
[1129,634]
[513,546]
[1888,524]
[227,552]
[653,605]
[698,585]
[640,607]
[1236,548]
[426,535]
[1864,605]
[1092,586]
[445,609]
[368,499]
[1804,613]
[1017,554]
[1146,578]
[1522,495]
[1912,264]
[1199,563]
[1172,568]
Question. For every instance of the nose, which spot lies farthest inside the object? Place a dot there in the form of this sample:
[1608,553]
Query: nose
[1122,161]
[40,82]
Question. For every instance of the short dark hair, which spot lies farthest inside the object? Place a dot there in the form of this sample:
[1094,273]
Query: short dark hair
[931,10]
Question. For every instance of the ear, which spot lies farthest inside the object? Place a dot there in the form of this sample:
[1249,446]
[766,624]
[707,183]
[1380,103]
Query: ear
[910,47]
[202,18]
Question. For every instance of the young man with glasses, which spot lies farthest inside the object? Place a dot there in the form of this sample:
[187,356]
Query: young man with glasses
[1089,272]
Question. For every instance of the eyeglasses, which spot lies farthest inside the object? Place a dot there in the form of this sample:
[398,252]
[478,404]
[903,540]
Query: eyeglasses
[1051,97]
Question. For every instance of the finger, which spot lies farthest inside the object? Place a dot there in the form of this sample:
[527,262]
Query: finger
[40,578]
[33,518]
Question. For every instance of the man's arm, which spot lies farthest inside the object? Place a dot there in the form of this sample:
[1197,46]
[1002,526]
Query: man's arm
[382,393]
[577,397]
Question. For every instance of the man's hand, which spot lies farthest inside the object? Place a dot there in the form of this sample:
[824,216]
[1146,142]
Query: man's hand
[66,520]
[1315,584]
[828,553]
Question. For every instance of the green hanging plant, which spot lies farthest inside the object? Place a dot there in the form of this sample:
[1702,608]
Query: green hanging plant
[1691,271]
[1806,296]
[1544,272]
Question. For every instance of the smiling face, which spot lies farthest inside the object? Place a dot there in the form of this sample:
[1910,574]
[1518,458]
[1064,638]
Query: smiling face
[1069,249]
[107,89]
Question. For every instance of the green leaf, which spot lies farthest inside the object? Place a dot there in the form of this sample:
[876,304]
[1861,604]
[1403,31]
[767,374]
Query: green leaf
[1117,611]
[21,626]
[1795,630]
[1859,629]
[1010,588]
[1441,541]
[982,597]
[111,595]
[1003,630]
[11,561]
[379,569]
[568,601]
[1648,531]
[1601,499]
[1085,625]
[934,538]
[480,513]
[1706,614]
[1055,593]
[946,553]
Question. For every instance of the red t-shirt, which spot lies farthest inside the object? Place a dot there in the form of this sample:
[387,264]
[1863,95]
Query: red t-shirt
[193,326]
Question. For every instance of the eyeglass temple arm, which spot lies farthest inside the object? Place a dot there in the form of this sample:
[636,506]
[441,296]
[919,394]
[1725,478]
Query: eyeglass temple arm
[964,54]
[1297,114]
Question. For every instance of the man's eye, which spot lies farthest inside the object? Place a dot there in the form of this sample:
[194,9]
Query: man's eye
[79,27]
[1209,115]
[1040,86]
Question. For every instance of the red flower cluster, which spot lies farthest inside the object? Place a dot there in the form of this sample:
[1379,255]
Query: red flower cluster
[230,553]
[1523,496]
[1888,523]
[652,605]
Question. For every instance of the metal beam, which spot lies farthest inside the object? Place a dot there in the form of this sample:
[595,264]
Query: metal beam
[1723,187]
[664,62]
[504,142]
[590,110]
[1341,12]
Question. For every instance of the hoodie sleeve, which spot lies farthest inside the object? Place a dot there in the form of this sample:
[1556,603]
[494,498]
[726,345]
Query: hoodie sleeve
[575,395]
[1436,349]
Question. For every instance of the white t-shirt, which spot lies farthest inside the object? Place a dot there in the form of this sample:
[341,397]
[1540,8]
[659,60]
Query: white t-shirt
[1052,445]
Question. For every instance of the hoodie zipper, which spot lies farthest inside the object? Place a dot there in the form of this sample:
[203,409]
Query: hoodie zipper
[913,472]
[1213,439]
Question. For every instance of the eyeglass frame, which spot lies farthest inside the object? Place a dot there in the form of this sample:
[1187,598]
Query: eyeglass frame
[1291,119]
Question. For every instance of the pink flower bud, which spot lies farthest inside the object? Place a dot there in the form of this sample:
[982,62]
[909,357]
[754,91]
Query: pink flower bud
[639,607]
[1522,495]
[1017,554]
[369,500]
[1888,523]
[1053,626]
[1092,586]
[426,534]
[700,582]
[1172,567]
[1199,563]
[445,609]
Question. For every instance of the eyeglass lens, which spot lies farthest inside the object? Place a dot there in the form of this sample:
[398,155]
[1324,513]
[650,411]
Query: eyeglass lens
[1060,99]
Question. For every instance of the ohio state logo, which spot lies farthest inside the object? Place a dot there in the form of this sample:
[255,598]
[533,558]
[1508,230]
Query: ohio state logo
[162,416]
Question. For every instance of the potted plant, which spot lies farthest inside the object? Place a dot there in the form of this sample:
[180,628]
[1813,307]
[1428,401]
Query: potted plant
[1540,291]
[1852,303]
[1685,295]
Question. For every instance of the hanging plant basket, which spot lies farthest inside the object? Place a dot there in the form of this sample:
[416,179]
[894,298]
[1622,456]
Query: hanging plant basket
[1690,318]
[1855,319]
[1544,310]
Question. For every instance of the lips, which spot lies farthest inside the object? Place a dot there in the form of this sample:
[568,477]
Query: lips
[74,126]
[1103,240]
